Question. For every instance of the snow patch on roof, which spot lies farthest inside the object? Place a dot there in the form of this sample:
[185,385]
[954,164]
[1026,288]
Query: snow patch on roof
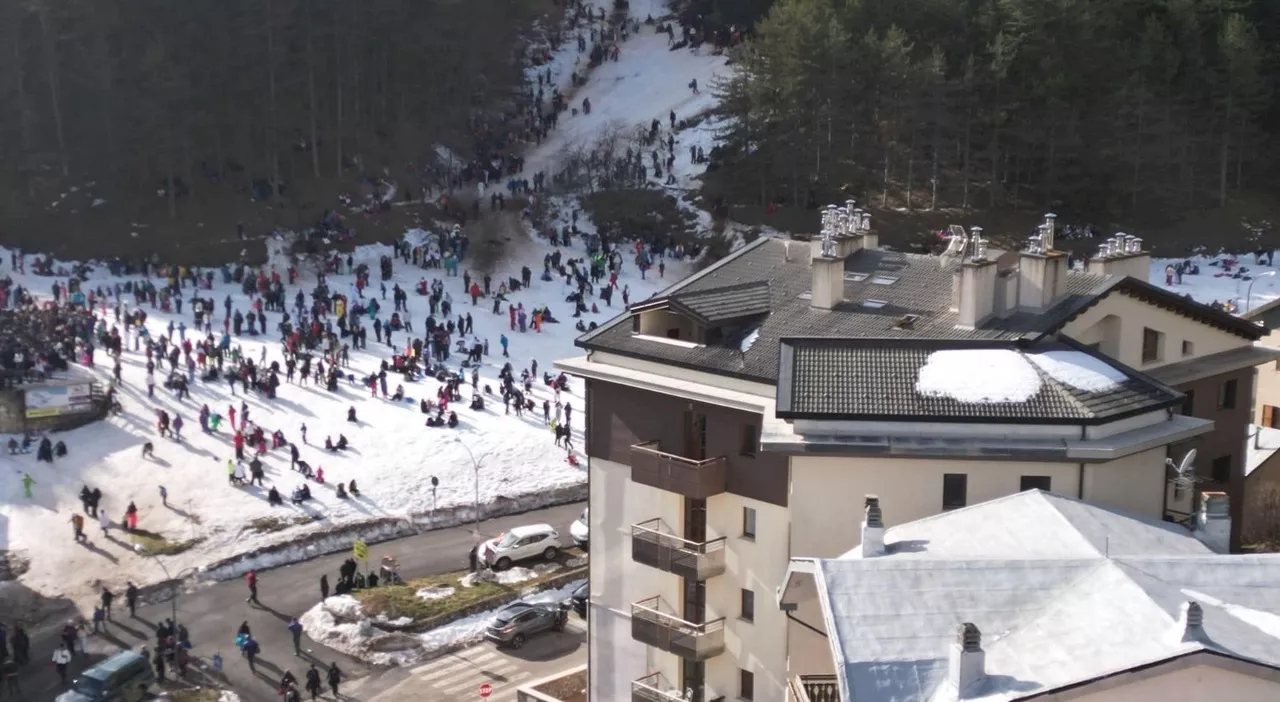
[1079,370]
[978,376]
[1262,445]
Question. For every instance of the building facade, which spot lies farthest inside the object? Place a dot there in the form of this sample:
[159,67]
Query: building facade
[735,422]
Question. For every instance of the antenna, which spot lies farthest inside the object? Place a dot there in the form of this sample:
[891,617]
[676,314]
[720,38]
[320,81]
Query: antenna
[1183,473]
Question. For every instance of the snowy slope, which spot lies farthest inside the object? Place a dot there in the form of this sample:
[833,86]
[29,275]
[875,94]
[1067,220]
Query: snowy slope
[1257,284]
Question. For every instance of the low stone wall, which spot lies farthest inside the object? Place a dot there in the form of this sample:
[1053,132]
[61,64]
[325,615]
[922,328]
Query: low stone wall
[556,581]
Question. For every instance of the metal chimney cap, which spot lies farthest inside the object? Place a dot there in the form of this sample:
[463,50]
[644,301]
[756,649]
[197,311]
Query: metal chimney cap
[968,637]
[1050,216]
[1194,614]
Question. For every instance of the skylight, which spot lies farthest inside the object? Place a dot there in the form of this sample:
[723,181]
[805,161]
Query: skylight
[855,277]
[874,304]
[884,280]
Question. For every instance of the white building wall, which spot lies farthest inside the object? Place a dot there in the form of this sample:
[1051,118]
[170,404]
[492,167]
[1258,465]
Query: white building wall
[1116,323]
[616,581]
[758,565]
[1135,483]
[1202,683]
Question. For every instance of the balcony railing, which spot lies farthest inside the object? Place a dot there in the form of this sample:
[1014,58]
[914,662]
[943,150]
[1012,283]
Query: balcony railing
[815,688]
[654,687]
[651,545]
[690,641]
[685,476]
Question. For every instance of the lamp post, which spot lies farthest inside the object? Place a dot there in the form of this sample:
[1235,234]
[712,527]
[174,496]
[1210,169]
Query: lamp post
[1248,300]
[173,603]
[475,466]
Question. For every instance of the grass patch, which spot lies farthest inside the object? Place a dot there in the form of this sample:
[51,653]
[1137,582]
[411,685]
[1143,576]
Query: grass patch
[402,601]
[158,545]
[267,525]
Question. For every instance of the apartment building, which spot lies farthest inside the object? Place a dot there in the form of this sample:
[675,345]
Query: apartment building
[1036,596]
[736,421]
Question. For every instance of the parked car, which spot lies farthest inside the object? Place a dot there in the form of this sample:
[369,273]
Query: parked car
[578,600]
[521,543]
[123,677]
[516,622]
[578,530]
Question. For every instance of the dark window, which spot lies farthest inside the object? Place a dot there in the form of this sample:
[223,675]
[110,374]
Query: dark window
[750,440]
[1227,395]
[955,487]
[1221,471]
[1188,348]
[1035,482]
[1152,340]
[748,609]
[1271,416]
[673,333]
[635,323]
[748,523]
[746,685]
[1189,404]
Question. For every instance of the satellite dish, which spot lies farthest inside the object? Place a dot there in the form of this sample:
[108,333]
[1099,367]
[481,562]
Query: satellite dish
[1184,471]
[956,244]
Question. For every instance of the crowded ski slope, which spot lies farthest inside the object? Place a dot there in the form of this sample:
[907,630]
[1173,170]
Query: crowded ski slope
[186,486]
[1237,283]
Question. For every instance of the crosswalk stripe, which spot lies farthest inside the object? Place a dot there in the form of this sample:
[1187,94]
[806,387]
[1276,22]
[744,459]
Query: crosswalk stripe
[461,686]
[461,664]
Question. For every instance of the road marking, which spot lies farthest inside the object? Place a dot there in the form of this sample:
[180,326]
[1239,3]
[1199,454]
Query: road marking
[454,664]
[472,683]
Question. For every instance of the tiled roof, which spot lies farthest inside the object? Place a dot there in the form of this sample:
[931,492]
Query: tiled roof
[881,287]
[876,379]
[1064,592]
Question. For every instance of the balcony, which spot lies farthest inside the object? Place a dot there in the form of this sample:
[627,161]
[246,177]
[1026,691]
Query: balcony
[663,630]
[656,547]
[654,687]
[814,688]
[685,476]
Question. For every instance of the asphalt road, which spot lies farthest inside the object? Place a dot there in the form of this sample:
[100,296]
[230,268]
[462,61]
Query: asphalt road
[213,613]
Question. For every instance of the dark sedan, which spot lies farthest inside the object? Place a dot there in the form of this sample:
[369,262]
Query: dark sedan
[516,622]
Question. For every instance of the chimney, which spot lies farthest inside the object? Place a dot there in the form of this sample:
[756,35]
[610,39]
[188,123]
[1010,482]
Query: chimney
[976,288]
[1213,522]
[836,241]
[1042,270]
[967,663]
[1122,255]
[872,528]
[1190,627]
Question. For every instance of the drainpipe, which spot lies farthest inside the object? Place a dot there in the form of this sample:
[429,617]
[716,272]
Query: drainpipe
[1080,468]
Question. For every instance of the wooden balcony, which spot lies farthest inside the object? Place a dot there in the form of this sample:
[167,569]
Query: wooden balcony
[814,688]
[656,547]
[663,630]
[684,476]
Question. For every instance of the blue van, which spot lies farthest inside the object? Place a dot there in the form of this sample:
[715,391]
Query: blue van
[123,677]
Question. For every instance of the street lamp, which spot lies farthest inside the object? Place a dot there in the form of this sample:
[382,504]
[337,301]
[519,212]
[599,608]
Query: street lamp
[475,466]
[1248,300]
[173,603]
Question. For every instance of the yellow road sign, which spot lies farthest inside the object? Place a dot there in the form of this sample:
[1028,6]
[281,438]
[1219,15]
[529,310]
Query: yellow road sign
[360,550]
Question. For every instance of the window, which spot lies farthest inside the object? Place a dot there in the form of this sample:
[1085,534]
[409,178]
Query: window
[1271,416]
[747,609]
[1152,341]
[1189,404]
[1188,349]
[750,440]
[1227,394]
[746,685]
[1035,482]
[1221,471]
[954,489]
[748,523]
[874,304]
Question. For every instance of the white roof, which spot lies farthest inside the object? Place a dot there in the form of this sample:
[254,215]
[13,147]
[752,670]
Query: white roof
[1031,572]
[1263,444]
[531,530]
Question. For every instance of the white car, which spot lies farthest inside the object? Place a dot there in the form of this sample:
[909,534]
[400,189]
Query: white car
[520,543]
[578,530]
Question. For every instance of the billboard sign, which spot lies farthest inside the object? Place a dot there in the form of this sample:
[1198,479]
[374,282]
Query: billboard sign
[56,401]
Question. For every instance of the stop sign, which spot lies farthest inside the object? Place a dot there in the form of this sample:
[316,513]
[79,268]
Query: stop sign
[486,689]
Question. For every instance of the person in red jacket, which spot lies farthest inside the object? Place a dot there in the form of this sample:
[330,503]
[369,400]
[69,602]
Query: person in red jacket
[238,440]
[251,579]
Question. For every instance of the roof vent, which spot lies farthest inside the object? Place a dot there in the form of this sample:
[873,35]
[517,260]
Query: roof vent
[874,304]
[969,639]
[1191,622]
[872,528]
[907,321]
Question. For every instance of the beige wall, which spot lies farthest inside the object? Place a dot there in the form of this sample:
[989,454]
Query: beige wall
[911,489]
[616,581]
[758,565]
[808,653]
[1116,323]
[1202,683]
[1267,387]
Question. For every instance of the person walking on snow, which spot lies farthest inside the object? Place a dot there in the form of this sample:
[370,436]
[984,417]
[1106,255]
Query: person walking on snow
[27,482]
[77,524]
[104,522]
[335,677]
[61,659]
[131,599]
[324,587]
[251,579]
